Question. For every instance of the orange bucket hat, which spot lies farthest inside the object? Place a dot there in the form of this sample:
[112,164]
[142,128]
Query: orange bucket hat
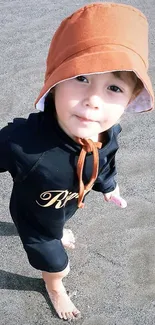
[99,38]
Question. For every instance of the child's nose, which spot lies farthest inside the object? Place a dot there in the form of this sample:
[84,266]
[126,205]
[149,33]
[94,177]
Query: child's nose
[94,102]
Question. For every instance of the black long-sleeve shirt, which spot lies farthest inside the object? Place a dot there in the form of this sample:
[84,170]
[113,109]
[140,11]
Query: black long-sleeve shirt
[42,160]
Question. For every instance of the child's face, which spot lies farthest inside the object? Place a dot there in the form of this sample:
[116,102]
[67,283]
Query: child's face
[90,104]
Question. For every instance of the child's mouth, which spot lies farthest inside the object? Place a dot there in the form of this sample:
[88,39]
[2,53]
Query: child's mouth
[84,119]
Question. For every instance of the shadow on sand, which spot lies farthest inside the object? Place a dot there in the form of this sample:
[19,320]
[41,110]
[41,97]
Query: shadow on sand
[7,229]
[12,281]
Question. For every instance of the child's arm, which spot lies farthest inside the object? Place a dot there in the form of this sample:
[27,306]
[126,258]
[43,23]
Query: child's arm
[5,157]
[7,161]
[105,182]
[107,185]
[115,197]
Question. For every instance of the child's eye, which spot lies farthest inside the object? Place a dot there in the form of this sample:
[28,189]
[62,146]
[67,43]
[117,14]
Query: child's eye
[82,79]
[115,89]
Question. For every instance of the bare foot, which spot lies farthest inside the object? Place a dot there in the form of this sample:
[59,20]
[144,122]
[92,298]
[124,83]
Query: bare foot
[68,239]
[63,305]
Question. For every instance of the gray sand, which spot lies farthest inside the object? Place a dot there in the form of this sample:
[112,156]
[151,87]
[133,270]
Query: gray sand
[113,265]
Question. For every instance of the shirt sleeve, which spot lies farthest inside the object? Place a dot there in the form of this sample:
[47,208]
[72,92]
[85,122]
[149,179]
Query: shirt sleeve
[105,181]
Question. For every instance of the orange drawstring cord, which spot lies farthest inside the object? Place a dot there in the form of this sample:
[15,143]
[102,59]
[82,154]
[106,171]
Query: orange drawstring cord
[87,146]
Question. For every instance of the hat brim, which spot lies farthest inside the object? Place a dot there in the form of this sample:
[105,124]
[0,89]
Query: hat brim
[101,62]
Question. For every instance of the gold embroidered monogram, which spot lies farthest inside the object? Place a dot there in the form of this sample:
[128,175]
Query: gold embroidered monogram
[59,197]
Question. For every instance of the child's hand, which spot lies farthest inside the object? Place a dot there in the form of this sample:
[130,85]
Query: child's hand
[115,197]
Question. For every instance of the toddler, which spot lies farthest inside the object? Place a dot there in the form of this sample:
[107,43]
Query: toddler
[96,70]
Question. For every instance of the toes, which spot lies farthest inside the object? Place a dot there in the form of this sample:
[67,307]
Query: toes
[60,315]
[76,313]
[63,316]
[67,316]
[70,315]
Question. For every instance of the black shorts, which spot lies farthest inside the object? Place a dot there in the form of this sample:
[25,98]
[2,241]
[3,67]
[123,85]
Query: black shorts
[49,256]
[44,253]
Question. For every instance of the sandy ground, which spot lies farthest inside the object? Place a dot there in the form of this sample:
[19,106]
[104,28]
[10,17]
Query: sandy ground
[113,266]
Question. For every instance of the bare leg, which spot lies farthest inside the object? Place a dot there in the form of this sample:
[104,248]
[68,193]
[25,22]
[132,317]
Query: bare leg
[58,295]
[68,239]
